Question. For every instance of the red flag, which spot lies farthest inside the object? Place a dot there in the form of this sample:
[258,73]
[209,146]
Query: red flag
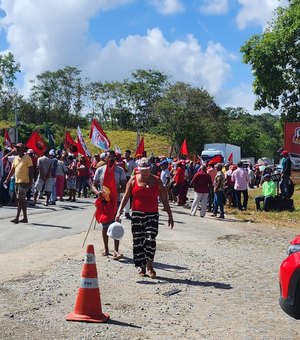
[106,203]
[230,158]
[141,148]
[70,144]
[83,153]
[184,150]
[7,140]
[36,143]
[216,159]
[98,136]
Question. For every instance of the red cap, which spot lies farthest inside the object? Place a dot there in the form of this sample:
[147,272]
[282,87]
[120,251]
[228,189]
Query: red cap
[284,153]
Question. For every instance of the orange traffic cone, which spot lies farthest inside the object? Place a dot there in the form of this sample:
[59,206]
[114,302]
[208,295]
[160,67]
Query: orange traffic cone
[88,301]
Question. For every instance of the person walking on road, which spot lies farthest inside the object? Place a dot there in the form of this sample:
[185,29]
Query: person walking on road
[201,183]
[120,179]
[145,189]
[23,170]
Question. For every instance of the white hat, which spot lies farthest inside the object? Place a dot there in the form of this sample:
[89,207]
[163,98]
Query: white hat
[115,231]
[52,152]
[103,155]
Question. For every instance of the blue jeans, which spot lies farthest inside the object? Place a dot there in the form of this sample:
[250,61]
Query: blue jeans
[219,202]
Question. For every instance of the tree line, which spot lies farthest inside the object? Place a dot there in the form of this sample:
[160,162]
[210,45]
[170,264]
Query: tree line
[149,102]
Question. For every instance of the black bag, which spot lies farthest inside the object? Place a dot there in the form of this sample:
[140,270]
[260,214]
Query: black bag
[280,204]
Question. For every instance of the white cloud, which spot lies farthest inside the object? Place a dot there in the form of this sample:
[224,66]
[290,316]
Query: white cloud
[183,59]
[214,6]
[167,7]
[41,37]
[241,96]
[257,11]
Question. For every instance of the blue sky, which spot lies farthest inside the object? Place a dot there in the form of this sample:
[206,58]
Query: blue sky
[195,41]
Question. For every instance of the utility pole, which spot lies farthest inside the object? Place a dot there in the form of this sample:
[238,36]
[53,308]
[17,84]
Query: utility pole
[16,123]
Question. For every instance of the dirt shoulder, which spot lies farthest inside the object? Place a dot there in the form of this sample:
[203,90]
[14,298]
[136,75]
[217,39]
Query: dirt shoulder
[223,275]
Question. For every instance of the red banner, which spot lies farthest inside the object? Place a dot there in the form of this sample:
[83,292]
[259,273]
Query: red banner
[141,148]
[36,143]
[292,137]
[106,204]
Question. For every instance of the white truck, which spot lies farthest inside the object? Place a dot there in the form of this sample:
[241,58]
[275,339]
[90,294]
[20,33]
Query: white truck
[223,149]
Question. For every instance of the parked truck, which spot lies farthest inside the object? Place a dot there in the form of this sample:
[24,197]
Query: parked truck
[223,149]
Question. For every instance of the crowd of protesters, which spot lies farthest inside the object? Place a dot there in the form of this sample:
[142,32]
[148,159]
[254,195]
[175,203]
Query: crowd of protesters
[140,185]
[60,175]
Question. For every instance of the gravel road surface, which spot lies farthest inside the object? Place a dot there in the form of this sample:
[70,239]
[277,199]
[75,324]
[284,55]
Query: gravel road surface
[223,275]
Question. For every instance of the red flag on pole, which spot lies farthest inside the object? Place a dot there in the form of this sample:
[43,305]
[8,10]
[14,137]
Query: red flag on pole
[141,148]
[36,143]
[106,203]
[70,144]
[81,150]
[184,149]
[230,158]
[7,140]
[216,159]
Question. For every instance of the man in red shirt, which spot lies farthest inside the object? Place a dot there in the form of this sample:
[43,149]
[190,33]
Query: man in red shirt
[201,183]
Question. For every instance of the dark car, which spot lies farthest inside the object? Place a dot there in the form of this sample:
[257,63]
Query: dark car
[289,280]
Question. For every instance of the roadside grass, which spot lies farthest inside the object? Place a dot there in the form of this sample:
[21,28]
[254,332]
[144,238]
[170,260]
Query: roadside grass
[278,218]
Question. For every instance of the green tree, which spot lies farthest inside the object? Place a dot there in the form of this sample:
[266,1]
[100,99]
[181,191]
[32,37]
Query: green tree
[191,113]
[8,94]
[257,135]
[274,57]
[58,96]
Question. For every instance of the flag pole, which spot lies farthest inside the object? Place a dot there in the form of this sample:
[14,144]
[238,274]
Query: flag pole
[89,230]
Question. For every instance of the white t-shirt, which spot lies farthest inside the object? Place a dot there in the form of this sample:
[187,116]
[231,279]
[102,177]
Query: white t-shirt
[164,175]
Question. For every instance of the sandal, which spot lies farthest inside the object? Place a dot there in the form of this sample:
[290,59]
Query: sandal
[104,253]
[117,256]
[142,271]
[151,273]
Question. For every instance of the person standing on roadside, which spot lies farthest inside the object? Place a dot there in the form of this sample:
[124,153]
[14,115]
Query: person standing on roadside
[44,167]
[285,174]
[240,176]
[23,170]
[145,188]
[130,166]
[201,183]
[211,170]
[219,182]
[61,170]
[53,196]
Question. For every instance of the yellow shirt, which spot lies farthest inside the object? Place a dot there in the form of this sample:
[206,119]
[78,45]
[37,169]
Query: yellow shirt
[22,165]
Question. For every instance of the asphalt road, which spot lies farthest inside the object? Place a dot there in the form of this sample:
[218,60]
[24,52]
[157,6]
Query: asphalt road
[45,223]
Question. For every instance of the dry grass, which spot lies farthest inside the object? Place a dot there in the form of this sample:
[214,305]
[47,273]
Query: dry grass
[282,218]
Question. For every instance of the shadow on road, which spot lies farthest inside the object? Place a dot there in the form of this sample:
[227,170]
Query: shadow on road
[120,323]
[51,225]
[217,285]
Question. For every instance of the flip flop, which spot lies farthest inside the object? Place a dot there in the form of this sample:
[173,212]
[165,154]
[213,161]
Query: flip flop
[118,257]
[151,273]
[142,271]
[104,253]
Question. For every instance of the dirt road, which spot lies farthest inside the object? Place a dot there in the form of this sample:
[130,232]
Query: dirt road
[224,275]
